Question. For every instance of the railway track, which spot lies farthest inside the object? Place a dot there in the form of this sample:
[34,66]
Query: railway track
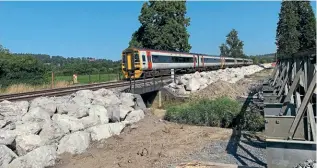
[69,90]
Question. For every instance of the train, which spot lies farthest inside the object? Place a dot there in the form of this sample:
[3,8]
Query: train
[140,62]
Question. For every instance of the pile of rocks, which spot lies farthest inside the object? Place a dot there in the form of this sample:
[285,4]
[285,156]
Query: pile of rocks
[33,134]
[189,83]
[307,164]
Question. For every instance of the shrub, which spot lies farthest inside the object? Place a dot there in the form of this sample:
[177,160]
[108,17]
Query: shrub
[219,112]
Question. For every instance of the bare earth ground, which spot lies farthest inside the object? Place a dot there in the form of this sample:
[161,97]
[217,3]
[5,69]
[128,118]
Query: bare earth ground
[153,142]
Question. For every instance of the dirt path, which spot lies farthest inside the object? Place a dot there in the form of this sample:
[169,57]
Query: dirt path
[152,142]
[149,143]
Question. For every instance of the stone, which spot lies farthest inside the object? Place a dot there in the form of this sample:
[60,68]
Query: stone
[41,157]
[127,99]
[13,111]
[46,103]
[6,156]
[36,114]
[82,97]
[203,81]
[27,143]
[181,91]
[105,131]
[28,128]
[113,113]
[67,123]
[7,137]
[193,85]
[74,143]
[134,116]
[2,123]
[196,75]
[103,92]
[52,133]
[74,110]
[99,113]
[139,102]
[124,110]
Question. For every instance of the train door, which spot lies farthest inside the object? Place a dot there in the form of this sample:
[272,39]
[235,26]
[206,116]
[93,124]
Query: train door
[194,60]
[144,60]
[149,59]
[128,61]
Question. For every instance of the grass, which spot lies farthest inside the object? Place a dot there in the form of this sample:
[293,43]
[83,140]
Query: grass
[60,81]
[20,88]
[84,79]
[220,112]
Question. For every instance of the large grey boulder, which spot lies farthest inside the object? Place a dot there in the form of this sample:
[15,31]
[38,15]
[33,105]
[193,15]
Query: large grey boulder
[74,143]
[134,116]
[7,136]
[103,92]
[82,97]
[72,109]
[196,75]
[52,133]
[110,99]
[127,99]
[41,157]
[28,128]
[37,114]
[46,103]
[105,131]
[6,156]
[193,85]
[203,81]
[99,114]
[13,111]
[26,143]
[139,102]
[67,123]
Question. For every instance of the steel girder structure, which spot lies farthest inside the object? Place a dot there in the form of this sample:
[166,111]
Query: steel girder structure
[290,110]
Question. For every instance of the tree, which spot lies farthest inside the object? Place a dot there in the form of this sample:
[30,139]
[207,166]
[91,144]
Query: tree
[233,47]
[163,26]
[306,26]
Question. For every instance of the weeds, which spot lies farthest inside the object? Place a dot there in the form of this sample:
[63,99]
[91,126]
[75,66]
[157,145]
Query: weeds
[220,112]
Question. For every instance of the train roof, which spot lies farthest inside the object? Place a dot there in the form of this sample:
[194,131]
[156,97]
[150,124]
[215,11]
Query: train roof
[177,52]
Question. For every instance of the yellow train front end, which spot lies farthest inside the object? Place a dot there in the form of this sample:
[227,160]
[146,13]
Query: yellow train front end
[131,63]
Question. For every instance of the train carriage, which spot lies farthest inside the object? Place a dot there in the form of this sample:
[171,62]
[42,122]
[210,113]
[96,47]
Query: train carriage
[136,61]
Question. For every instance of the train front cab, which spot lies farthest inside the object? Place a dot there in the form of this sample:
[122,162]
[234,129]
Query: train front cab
[131,64]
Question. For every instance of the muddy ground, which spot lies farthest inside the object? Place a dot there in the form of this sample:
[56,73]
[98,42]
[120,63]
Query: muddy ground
[156,143]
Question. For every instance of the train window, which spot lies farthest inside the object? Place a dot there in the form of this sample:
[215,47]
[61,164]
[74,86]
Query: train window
[123,58]
[143,58]
[136,57]
[229,60]
[211,60]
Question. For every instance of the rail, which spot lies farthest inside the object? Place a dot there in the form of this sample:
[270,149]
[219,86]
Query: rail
[67,90]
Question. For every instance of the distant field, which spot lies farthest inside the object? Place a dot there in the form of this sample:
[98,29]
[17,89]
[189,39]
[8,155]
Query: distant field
[85,78]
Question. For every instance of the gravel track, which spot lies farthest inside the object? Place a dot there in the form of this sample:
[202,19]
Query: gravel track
[244,150]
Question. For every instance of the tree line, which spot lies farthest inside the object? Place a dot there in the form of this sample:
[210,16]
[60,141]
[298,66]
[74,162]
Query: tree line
[296,28]
[35,69]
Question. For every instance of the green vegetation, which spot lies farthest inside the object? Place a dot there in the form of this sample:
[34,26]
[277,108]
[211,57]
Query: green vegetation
[220,112]
[233,47]
[296,28]
[85,79]
[36,69]
[163,26]
[24,69]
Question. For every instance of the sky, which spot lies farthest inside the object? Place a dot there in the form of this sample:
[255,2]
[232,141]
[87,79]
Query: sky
[103,29]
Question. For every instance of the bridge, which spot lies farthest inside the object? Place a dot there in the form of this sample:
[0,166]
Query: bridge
[290,110]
